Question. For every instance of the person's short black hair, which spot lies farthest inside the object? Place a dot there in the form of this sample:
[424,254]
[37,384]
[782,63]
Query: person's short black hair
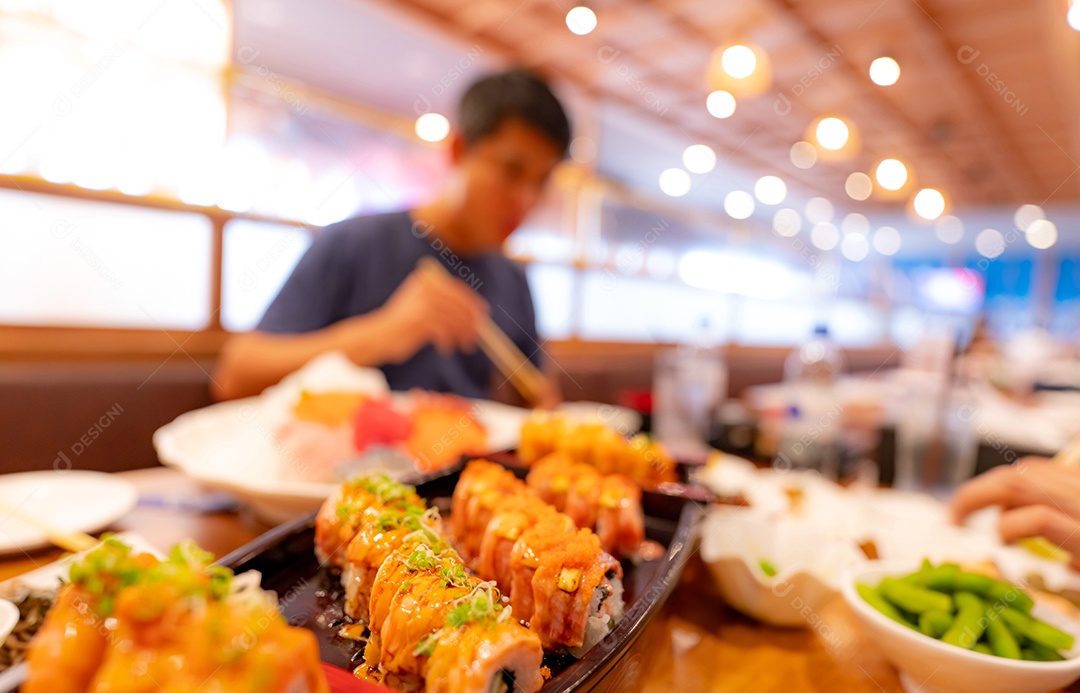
[513,94]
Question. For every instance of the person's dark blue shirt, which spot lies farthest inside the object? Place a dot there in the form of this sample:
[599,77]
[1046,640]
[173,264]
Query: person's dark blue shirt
[354,266]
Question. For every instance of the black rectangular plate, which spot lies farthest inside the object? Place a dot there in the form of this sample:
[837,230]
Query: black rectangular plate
[311,596]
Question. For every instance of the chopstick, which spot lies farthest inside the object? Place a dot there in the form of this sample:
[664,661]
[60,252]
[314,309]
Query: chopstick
[511,362]
[1069,456]
[75,542]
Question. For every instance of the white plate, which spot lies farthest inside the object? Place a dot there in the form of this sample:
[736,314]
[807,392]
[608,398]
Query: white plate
[73,501]
[232,446]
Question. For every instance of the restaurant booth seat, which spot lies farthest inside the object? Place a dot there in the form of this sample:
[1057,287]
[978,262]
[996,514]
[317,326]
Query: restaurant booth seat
[100,414]
[93,415]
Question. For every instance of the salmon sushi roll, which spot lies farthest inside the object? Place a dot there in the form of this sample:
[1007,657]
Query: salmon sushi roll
[620,520]
[540,436]
[583,497]
[374,542]
[515,515]
[479,491]
[607,448]
[550,479]
[355,503]
[414,592]
[550,532]
[577,594]
[486,657]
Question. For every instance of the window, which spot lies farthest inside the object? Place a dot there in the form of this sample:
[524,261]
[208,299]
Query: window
[257,259]
[113,94]
[72,262]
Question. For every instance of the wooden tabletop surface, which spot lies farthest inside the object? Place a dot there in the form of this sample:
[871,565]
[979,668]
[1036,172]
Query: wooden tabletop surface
[696,643]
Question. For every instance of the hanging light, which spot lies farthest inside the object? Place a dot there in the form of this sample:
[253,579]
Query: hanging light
[770,190]
[699,158]
[884,71]
[891,174]
[835,138]
[720,104]
[787,222]
[832,133]
[858,186]
[929,203]
[581,20]
[675,182]
[803,155]
[432,127]
[740,68]
[739,204]
[1042,234]
[738,61]
[887,241]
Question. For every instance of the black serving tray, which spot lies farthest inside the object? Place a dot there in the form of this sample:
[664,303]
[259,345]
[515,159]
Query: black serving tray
[311,596]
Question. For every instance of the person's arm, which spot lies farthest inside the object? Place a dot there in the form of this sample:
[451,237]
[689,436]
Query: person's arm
[421,311]
[252,361]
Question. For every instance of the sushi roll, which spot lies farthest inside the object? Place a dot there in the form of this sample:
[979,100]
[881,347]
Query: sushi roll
[620,520]
[548,534]
[550,479]
[540,436]
[126,621]
[414,592]
[515,515]
[579,441]
[577,594]
[481,488]
[355,504]
[648,462]
[488,656]
[607,447]
[583,496]
[430,619]
[608,503]
[375,540]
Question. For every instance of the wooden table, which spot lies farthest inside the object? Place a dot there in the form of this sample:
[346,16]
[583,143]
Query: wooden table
[696,643]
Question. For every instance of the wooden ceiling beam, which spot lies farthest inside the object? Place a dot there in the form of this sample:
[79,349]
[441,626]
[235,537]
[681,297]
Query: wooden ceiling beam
[441,21]
[927,147]
[1021,170]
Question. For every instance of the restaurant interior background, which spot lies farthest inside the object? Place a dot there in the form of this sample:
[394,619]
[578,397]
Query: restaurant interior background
[164,165]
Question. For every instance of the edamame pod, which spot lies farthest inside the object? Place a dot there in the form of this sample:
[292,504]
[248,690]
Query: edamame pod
[914,598]
[1039,653]
[935,623]
[969,623]
[948,577]
[1002,642]
[872,597]
[1038,632]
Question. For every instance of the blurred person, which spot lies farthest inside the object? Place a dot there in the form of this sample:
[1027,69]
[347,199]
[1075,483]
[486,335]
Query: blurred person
[1038,498]
[359,288]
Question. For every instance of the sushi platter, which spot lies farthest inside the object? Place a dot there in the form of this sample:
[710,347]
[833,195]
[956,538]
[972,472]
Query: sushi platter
[312,596]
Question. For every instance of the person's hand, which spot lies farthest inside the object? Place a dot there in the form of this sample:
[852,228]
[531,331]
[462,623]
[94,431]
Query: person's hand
[1037,497]
[431,309]
[550,395]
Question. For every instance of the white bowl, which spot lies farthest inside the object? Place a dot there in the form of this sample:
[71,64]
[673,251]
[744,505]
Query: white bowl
[784,600]
[810,561]
[232,446]
[930,666]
